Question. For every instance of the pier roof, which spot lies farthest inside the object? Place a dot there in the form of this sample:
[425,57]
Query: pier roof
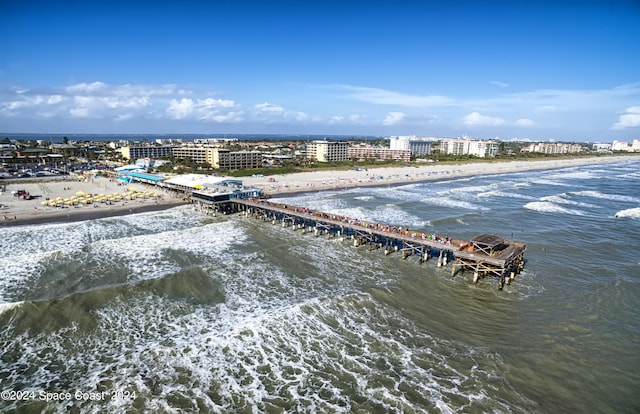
[489,240]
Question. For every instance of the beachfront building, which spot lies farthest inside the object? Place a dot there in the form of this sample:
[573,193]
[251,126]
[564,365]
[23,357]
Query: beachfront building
[553,148]
[625,146]
[457,146]
[328,151]
[195,154]
[233,160]
[601,147]
[146,151]
[367,152]
[214,141]
[416,146]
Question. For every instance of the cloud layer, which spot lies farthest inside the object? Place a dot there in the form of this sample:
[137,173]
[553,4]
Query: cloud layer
[324,109]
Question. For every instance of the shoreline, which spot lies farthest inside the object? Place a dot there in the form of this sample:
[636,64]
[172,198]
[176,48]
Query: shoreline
[89,214]
[289,185]
[18,212]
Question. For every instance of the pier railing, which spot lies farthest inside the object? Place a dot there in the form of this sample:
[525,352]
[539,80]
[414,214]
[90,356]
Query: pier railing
[485,254]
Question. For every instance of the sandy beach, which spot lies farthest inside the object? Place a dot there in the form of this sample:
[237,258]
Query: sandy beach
[17,211]
[116,199]
[333,180]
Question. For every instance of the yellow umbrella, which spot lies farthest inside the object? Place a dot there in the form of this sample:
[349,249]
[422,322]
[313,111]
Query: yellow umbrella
[44,203]
[80,193]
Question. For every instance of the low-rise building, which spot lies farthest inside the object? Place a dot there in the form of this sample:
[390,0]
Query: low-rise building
[234,160]
[625,146]
[195,154]
[553,148]
[417,146]
[328,151]
[457,146]
[146,151]
[601,147]
[361,152]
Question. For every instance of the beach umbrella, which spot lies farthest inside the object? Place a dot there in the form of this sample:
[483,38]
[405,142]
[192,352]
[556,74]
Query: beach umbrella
[80,193]
[44,203]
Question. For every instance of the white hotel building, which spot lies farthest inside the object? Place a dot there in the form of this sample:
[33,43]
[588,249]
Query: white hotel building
[417,146]
[328,151]
[457,146]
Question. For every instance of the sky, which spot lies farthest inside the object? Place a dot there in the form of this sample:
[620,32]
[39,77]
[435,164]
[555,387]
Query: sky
[563,70]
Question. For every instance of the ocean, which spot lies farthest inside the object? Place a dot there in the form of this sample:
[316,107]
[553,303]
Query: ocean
[177,311]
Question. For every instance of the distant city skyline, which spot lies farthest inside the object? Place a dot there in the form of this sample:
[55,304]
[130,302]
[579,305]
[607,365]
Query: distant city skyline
[566,70]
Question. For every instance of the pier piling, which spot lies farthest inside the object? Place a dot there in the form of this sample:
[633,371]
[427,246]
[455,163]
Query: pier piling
[485,254]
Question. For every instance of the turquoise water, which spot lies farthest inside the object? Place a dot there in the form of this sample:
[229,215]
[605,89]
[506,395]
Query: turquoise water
[175,311]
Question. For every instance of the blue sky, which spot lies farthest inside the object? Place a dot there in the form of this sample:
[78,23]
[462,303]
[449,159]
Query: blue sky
[564,70]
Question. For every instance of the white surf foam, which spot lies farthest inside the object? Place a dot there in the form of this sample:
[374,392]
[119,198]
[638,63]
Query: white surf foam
[605,196]
[633,213]
[21,271]
[451,202]
[4,307]
[500,193]
[549,207]
[563,199]
[145,254]
[317,355]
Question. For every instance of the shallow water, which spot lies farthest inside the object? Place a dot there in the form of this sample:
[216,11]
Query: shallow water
[177,311]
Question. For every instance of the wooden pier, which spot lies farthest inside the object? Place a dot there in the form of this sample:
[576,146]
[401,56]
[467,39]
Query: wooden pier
[485,254]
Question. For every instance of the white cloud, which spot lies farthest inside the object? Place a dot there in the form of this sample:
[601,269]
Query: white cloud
[269,108]
[630,119]
[79,112]
[86,88]
[123,117]
[19,90]
[353,119]
[98,106]
[384,97]
[337,119]
[475,119]
[524,122]
[500,84]
[216,110]
[54,99]
[104,89]
[393,118]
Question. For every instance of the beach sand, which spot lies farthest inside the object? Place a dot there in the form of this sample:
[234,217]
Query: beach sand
[20,212]
[17,211]
[280,185]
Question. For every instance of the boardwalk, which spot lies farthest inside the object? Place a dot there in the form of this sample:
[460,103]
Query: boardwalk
[485,255]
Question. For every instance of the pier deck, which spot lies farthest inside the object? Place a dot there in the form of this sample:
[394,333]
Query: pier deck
[486,254]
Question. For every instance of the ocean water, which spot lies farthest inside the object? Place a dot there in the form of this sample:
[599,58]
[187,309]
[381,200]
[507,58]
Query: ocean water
[176,311]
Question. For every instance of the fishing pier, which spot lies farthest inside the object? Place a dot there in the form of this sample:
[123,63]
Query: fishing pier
[485,255]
